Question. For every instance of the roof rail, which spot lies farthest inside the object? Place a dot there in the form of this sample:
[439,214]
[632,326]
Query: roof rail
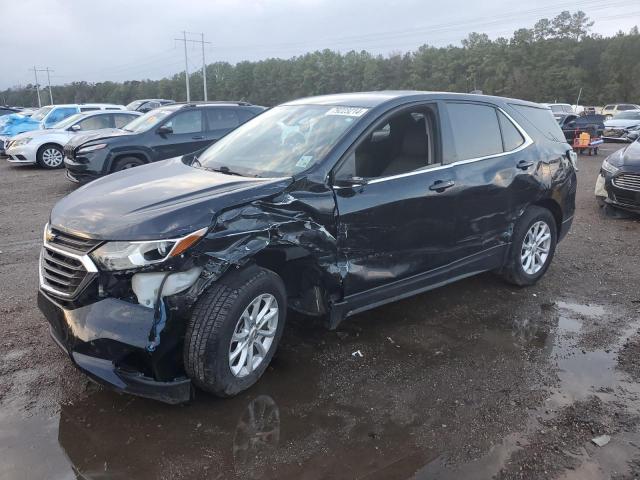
[216,102]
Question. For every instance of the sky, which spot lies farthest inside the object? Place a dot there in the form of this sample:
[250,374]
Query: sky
[117,40]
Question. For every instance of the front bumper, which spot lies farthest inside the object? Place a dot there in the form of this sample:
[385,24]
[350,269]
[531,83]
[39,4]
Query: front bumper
[107,341]
[627,197]
[21,154]
[616,134]
[87,167]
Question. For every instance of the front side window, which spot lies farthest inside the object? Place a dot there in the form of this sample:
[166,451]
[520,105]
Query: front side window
[281,142]
[95,122]
[626,107]
[186,122]
[476,131]
[89,109]
[222,118]
[403,143]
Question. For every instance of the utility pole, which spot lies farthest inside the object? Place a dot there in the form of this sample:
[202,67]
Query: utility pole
[35,72]
[49,82]
[204,69]
[186,66]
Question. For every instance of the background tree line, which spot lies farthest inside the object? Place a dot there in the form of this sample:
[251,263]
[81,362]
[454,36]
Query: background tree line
[549,62]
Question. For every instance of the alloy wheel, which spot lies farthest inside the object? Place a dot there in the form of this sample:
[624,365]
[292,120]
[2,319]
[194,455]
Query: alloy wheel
[52,157]
[253,335]
[535,248]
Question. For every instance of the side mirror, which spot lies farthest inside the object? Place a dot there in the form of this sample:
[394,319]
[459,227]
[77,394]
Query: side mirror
[164,130]
[351,182]
[75,128]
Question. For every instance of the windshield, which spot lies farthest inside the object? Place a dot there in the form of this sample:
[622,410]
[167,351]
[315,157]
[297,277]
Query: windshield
[39,114]
[628,116]
[135,104]
[282,141]
[147,121]
[67,122]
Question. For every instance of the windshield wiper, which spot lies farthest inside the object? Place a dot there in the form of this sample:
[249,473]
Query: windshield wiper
[226,170]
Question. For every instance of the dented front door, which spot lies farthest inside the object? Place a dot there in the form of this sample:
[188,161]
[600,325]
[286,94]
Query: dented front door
[391,229]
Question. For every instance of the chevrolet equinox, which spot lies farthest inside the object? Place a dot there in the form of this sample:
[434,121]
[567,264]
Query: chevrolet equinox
[179,274]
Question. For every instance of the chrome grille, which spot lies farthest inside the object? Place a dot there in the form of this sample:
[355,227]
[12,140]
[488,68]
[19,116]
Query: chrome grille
[71,242]
[627,181]
[65,267]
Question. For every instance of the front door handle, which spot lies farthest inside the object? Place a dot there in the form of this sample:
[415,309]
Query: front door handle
[441,185]
[524,164]
[198,137]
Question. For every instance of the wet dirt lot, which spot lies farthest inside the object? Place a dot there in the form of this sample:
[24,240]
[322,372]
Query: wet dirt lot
[474,380]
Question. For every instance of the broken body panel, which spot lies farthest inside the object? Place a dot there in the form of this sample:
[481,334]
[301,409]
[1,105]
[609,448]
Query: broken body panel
[339,250]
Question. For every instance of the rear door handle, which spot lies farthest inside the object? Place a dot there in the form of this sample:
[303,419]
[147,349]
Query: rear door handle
[524,164]
[198,137]
[442,185]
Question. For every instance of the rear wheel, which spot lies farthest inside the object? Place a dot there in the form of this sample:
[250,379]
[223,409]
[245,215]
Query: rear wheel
[234,331]
[532,247]
[126,163]
[50,156]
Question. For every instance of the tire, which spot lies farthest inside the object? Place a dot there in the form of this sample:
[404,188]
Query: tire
[515,271]
[125,163]
[50,156]
[216,320]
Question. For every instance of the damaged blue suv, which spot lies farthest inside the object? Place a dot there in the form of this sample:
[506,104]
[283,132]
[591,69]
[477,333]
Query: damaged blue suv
[180,273]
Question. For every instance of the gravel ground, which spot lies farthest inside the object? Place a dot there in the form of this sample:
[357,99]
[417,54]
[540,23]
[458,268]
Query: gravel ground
[474,380]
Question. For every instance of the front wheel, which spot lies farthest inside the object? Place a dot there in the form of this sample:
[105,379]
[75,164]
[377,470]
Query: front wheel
[234,331]
[50,156]
[532,247]
[126,163]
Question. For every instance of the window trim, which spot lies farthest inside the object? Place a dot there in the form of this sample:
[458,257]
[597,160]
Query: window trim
[527,142]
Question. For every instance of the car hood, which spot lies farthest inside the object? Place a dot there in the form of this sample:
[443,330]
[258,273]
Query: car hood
[42,133]
[103,134]
[629,156]
[621,123]
[160,200]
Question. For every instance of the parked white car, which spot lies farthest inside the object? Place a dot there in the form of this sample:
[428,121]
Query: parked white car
[45,147]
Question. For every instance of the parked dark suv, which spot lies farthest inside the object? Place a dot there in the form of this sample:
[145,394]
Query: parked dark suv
[165,132]
[181,273]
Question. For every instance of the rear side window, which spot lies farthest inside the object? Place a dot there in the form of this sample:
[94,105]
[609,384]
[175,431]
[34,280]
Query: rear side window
[222,118]
[244,114]
[626,107]
[511,137]
[542,120]
[476,131]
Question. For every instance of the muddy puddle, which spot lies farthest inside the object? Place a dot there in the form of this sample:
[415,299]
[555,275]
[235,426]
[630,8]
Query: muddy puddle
[443,389]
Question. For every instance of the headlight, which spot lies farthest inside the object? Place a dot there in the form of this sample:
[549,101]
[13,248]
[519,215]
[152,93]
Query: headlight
[608,167]
[92,148]
[22,141]
[128,255]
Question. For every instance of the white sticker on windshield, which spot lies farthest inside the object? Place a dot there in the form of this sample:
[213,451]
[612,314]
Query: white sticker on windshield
[304,161]
[348,111]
